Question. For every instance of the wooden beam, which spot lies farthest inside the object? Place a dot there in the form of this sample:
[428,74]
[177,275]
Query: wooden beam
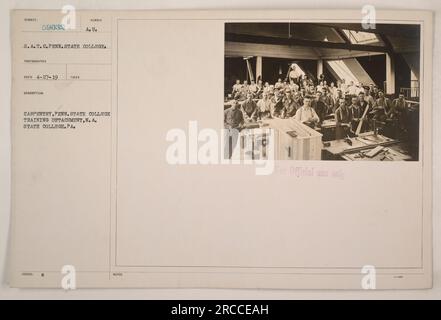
[258,67]
[319,68]
[238,49]
[386,42]
[348,54]
[395,30]
[390,74]
[342,35]
[234,37]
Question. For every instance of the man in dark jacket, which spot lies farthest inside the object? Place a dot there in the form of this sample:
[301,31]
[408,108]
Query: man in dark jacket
[319,106]
[233,117]
[233,121]
[289,105]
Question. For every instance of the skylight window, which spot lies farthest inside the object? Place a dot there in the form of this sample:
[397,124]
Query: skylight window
[342,71]
[360,37]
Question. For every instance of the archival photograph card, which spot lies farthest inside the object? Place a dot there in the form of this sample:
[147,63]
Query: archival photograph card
[285,149]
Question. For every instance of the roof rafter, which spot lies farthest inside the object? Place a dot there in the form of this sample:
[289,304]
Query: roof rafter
[342,35]
[386,42]
[245,38]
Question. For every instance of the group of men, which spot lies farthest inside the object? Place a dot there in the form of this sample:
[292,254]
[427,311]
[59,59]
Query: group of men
[311,104]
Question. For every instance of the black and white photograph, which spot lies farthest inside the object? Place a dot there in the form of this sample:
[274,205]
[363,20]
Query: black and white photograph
[318,183]
[330,91]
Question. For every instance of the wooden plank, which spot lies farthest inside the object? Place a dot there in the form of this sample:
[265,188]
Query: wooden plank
[360,123]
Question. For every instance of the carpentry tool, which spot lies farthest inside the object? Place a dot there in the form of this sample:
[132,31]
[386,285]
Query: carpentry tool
[348,140]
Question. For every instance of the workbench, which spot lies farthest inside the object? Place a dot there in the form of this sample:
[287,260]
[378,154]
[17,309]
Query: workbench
[394,152]
[356,148]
